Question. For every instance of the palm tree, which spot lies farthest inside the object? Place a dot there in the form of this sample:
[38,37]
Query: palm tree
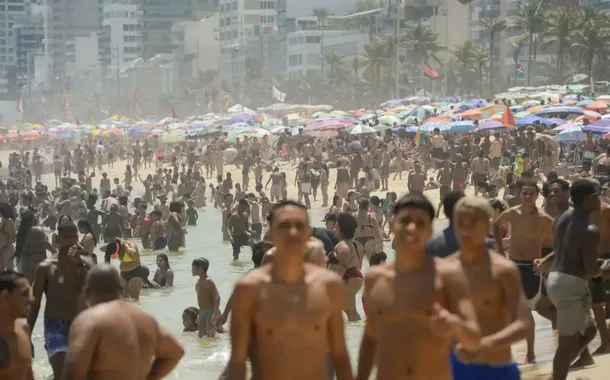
[464,57]
[531,18]
[480,58]
[561,23]
[321,15]
[495,27]
[422,46]
[518,44]
[592,39]
[374,59]
[357,63]
[334,61]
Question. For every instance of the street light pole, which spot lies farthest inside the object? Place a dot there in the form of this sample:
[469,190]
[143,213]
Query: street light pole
[397,56]
[446,90]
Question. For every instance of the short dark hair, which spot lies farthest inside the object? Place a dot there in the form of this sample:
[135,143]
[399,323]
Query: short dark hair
[565,185]
[450,200]
[282,204]
[8,280]
[414,200]
[202,263]
[580,190]
[258,252]
[175,207]
[377,258]
[347,225]
[530,183]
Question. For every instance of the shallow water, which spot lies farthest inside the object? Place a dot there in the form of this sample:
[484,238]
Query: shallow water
[206,358]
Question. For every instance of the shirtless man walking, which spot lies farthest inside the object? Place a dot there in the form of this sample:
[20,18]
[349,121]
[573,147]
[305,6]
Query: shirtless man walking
[60,278]
[288,309]
[115,340]
[15,346]
[530,226]
[574,263]
[415,307]
[502,311]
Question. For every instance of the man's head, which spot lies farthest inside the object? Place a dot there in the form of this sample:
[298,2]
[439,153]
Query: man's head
[15,298]
[585,195]
[200,267]
[289,228]
[103,284]
[67,235]
[449,201]
[529,192]
[315,253]
[258,252]
[559,192]
[472,217]
[243,205]
[330,220]
[412,223]
[346,225]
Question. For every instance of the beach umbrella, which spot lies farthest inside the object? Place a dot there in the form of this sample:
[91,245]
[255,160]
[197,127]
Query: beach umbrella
[600,126]
[30,135]
[339,113]
[574,97]
[584,103]
[517,108]
[522,114]
[474,113]
[571,134]
[490,125]
[437,119]
[172,138]
[361,130]
[430,127]
[328,124]
[465,126]
[566,125]
[244,135]
[472,104]
[560,110]
[529,120]
[536,109]
[389,120]
[241,118]
[597,106]
[530,103]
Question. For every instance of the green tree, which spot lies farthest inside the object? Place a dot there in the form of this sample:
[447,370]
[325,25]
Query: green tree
[531,18]
[334,61]
[422,46]
[480,58]
[561,24]
[321,15]
[495,27]
[464,57]
[374,58]
[592,38]
[517,45]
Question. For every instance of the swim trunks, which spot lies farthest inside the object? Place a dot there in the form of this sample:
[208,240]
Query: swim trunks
[598,287]
[570,295]
[530,281]
[141,272]
[56,335]
[462,371]
[206,314]
[160,243]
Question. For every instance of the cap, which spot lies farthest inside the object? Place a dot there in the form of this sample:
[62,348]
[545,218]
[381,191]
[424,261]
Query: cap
[331,216]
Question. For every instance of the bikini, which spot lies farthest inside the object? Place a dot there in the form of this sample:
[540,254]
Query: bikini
[365,239]
[353,272]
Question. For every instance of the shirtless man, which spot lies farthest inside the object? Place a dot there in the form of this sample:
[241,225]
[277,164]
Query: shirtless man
[208,298]
[115,340]
[238,228]
[502,311]
[112,227]
[225,211]
[255,217]
[15,346]
[269,309]
[530,227]
[417,178]
[574,263]
[415,307]
[276,184]
[60,278]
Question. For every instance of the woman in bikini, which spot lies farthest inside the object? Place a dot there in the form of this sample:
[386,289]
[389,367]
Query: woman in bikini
[164,276]
[368,234]
[31,245]
[350,255]
[89,240]
[351,206]
[7,236]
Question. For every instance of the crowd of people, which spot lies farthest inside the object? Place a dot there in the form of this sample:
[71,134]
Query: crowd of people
[449,307]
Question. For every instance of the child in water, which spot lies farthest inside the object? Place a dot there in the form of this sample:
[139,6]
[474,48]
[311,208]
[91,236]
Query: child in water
[189,319]
[208,298]
[191,214]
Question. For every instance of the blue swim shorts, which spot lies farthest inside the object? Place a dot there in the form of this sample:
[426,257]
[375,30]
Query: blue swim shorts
[462,371]
[56,335]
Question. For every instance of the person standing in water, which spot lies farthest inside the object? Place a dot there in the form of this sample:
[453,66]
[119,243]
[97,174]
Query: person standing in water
[208,298]
[113,339]
[60,278]
[15,347]
[502,311]
[305,301]
[417,306]
[7,236]
[175,225]
[350,255]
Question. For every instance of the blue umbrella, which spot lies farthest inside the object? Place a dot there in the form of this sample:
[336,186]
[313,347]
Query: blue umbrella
[241,118]
[490,125]
[470,104]
[560,110]
[461,126]
[517,108]
[584,103]
[529,120]
[574,97]
[429,127]
[600,126]
[571,134]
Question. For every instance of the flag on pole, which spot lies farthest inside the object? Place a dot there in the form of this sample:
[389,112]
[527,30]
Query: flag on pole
[277,94]
[174,114]
[430,73]
[20,104]
[507,119]
[520,70]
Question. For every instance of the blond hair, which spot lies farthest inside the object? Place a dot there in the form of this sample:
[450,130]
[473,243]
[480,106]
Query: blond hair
[478,204]
[314,249]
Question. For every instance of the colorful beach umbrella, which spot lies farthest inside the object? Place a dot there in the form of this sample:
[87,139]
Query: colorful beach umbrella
[597,105]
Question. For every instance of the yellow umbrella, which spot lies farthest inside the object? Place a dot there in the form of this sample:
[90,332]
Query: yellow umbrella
[339,113]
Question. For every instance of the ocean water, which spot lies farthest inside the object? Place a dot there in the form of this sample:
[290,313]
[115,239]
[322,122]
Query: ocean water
[206,358]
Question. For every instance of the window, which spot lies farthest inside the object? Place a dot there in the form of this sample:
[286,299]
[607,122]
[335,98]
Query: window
[317,39]
[129,50]
[129,38]
[309,39]
[222,8]
[234,5]
[292,41]
[222,22]
[235,34]
[293,60]
[267,5]
[267,19]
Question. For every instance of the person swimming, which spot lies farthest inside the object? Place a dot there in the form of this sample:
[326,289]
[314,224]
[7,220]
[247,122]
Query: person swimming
[189,319]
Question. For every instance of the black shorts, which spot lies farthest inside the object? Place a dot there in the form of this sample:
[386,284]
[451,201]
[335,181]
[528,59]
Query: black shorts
[140,272]
[257,228]
[437,153]
[530,280]
[444,190]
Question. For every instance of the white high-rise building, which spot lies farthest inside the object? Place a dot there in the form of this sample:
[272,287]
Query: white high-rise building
[122,25]
[10,10]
